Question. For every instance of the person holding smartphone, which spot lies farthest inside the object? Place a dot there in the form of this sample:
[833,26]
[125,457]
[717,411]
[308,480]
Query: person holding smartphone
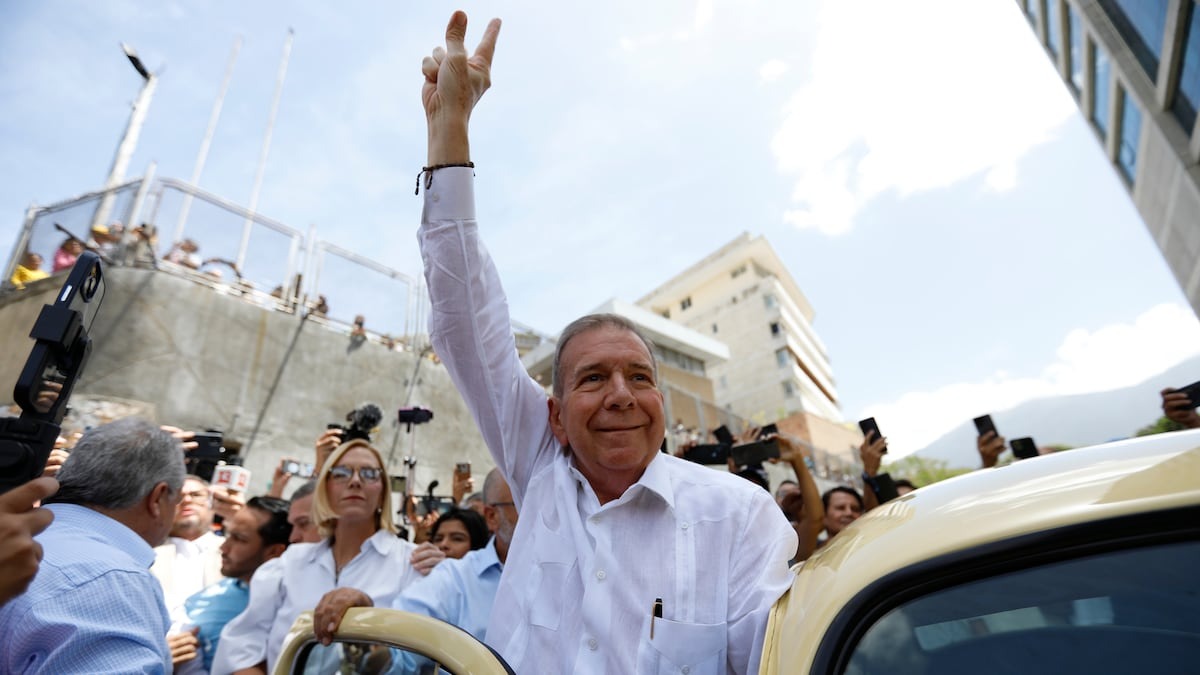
[1178,406]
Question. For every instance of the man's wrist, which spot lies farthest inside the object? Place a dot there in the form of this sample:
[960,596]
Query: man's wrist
[448,143]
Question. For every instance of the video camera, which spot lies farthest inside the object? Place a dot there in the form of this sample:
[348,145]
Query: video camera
[363,420]
[413,415]
[60,351]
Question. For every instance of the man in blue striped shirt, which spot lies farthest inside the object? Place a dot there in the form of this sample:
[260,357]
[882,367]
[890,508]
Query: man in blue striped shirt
[94,606]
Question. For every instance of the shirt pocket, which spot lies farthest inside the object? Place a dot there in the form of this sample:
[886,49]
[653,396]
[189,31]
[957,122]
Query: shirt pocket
[680,648]
[555,562]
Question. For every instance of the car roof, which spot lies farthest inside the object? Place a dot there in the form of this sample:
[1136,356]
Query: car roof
[1116,479]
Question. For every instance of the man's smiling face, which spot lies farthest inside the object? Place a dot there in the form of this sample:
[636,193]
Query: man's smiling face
[610,412]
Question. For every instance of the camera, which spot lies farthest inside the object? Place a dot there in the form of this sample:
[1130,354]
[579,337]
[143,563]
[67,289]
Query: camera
[414,415]
[362,421]
[60,352]
[210,453]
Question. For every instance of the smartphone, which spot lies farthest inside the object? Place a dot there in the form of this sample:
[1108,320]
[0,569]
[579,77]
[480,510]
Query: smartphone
[723,435]
[302,470]
[757,452]
[984,424]
[768,430]
[1193,392]
[208,445]
[1024,448]
[462,469]
[868,426]
[708,453]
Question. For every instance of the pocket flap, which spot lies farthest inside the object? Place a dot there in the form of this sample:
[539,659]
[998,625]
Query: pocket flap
[688,643]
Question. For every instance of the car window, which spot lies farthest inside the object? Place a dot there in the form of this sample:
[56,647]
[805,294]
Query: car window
[361,657]
[1123,611]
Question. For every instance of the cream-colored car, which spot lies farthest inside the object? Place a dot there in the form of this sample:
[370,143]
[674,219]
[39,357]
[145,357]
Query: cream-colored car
[1086,561]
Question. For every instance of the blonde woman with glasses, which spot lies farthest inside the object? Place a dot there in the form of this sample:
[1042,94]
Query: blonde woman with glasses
[352,507]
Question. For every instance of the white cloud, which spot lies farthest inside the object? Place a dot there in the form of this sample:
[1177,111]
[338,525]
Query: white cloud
[772,70]
[921,96]
[1110,357]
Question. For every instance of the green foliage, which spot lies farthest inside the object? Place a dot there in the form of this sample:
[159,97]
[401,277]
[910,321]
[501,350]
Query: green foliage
[923,471]
[1161,426]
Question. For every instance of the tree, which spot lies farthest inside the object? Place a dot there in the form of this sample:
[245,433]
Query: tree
[923,471]
[1161,426]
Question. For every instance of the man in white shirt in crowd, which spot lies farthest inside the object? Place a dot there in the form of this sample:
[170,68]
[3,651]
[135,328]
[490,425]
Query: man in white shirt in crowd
[625,559]
[190,560]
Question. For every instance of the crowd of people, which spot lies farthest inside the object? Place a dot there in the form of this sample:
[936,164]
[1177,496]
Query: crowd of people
[628,559]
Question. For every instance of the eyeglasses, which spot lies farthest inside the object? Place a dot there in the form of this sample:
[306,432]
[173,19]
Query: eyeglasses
[367,474]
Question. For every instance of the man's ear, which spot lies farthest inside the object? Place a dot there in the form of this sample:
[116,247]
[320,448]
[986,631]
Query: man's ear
[154,500]
[273,551]
[556,422]
[491,517]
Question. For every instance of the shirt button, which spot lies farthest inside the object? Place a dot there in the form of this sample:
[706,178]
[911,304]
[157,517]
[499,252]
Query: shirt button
[685,670]
[435,197]
[684,526]
[600,575]
[592,644]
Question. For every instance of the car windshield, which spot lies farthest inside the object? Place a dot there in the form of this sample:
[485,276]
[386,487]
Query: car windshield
[1126,611]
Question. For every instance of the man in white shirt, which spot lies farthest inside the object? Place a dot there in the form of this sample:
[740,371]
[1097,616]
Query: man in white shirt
[190,560]
[625,559]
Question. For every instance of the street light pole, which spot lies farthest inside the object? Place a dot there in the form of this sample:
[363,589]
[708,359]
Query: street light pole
[128,144]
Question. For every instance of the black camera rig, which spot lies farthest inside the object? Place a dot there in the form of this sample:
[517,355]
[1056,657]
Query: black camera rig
[60,351]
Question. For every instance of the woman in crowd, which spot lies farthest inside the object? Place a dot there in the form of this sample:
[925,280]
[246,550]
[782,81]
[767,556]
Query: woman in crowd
[352,507]
[67,254]
[458,532]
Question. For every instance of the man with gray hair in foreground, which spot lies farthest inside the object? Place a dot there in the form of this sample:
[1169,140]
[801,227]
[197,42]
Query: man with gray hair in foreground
[94,606]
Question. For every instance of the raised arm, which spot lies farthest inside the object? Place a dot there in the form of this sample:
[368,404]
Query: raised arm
[812,519]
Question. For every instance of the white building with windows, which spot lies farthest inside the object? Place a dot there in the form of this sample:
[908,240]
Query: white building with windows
[744,296]
[1133,67]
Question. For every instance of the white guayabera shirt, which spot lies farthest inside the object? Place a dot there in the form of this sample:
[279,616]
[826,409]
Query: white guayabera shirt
[581,579]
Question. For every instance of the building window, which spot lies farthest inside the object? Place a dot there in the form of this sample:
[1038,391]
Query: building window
[666,314]
[769,301]
[1100,85]
[1032,9]
[739,271]
[1187,95]
[789,389]
[714,329]
[776,329]
[1131,129]
[1141,23]
[1075,28]
[1053,26]
[685,303]
[723,382]
[781,358]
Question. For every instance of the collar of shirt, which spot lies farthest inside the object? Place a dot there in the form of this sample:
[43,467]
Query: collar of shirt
[484,559]
[382,542]
[104,528]
[655,478]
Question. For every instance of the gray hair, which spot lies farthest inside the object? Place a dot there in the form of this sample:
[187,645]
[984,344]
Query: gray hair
[116,465]
[491,484]
[593,322]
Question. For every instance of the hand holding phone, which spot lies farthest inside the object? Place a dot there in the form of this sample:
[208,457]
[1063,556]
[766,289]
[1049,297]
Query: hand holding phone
[984,424]
[1024,448]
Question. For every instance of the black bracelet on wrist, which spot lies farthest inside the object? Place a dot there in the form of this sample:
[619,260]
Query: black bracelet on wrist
[428,172]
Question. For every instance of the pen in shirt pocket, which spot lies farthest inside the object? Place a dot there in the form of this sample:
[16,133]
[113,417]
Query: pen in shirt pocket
[656,613]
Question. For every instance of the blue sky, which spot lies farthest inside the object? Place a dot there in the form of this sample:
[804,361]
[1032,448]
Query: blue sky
[917,165]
